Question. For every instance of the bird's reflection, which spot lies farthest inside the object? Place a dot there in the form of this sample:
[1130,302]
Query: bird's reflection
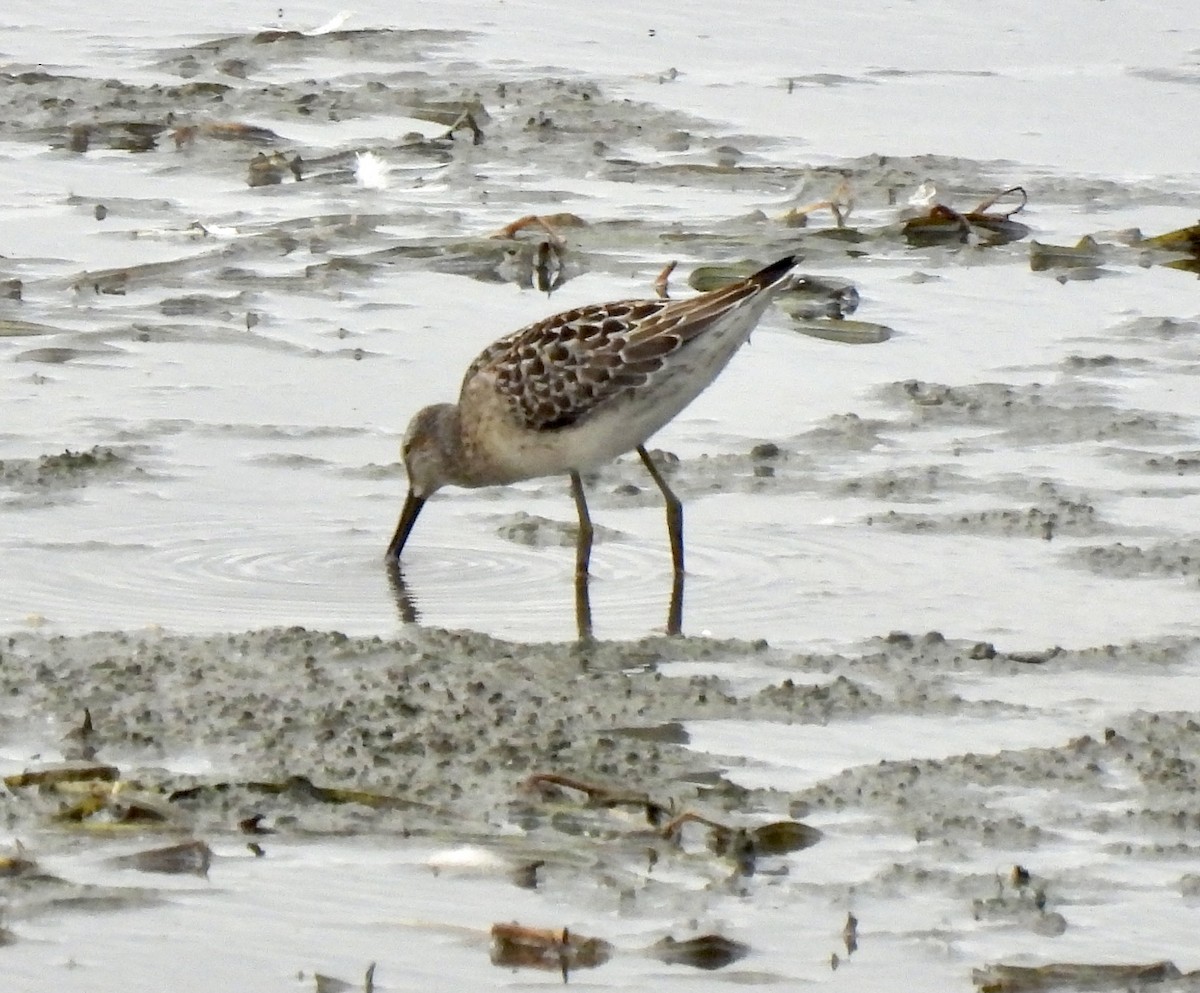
[410,613]
[675,608]
[406,604]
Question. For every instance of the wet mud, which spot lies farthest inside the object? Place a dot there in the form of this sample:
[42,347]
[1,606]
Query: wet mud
[437,736]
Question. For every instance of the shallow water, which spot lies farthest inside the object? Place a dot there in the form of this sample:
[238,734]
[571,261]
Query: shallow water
[243,361]
[248,438]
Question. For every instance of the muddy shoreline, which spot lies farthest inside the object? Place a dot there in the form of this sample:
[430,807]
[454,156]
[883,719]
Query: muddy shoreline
[235,262]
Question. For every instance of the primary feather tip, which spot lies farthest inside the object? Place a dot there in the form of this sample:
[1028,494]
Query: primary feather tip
[775,271]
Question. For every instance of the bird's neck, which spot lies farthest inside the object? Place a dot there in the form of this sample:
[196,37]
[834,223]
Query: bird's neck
[454,448]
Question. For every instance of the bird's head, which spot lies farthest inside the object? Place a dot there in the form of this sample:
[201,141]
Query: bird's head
[430,451]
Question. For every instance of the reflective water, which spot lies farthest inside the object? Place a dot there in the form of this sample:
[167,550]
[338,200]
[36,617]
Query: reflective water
[250,356]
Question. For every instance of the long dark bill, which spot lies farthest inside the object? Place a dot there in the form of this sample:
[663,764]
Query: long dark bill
[408,517]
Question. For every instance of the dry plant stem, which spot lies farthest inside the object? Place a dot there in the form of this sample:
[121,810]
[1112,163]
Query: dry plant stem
[672,827]
[533,220]
[832,206]
[599,794]
[530,935]
[840,204]
[510,230]
[660,283]
[990,202]
[595,792]
[468,119]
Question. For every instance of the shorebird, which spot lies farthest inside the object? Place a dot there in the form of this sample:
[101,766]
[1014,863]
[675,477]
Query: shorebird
[574,391]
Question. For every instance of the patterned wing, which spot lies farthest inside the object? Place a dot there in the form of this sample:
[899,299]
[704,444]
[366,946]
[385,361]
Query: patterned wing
[554,372]
[561,369]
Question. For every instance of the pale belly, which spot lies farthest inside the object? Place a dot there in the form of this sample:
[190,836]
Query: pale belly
[612,430]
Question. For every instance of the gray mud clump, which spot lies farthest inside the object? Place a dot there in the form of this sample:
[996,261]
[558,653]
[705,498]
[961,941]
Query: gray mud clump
[54,476]
[1168,558]
[1058,413]
[1061,517]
